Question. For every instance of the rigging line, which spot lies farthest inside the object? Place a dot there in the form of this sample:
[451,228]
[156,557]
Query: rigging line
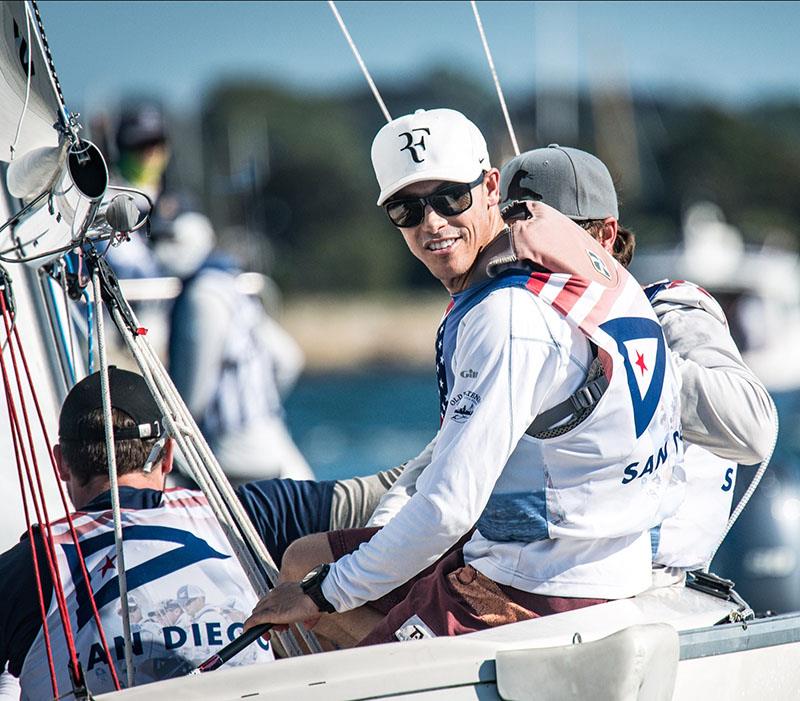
[67,319]
[752,487]
[34,552]
[89,332]
[205,470]
[69,519]
[360,60]
[27,85]
[494,77]
[41,514]
[47,296]
[199,462]
[66,346]
[35,471]
[51,66]
[112,476]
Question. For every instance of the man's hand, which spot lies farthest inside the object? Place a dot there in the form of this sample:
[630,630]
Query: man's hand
[285,604]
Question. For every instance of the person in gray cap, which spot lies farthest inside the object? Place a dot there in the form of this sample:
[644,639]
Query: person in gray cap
[516,515]
[727,414]
[577,184]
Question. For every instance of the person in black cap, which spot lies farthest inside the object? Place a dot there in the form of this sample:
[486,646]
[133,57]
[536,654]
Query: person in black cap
[172,543]
[143,154]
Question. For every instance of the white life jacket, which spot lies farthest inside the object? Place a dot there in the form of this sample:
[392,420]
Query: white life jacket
[619,471]
[177,545]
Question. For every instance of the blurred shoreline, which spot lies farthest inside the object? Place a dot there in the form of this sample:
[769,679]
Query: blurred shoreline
[348,333]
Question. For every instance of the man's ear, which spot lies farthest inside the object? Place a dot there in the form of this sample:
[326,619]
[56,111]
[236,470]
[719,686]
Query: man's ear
[166,461]
[609,233]
[492,182]
[63,470]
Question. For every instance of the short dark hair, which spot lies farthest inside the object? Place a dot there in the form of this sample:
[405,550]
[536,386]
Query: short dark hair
[89,459]
[624,244]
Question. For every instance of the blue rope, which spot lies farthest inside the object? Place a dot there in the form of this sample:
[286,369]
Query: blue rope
[62,335]
[89,333]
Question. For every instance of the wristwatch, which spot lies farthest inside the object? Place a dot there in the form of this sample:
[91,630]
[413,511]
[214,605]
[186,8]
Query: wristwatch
[312,588]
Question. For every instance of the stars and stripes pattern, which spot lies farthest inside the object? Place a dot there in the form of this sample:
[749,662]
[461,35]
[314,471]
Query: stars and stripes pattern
[585,303]
[441,374]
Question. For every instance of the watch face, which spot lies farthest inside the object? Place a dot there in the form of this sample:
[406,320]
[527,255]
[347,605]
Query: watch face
[311,575]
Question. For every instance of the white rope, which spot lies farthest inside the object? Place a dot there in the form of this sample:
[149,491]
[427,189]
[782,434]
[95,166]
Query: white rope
[27,83]
[752,488]
[495,78]
[205,470]
[361,63]
[112,477]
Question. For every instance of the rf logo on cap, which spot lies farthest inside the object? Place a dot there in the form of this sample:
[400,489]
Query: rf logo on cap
[412,147]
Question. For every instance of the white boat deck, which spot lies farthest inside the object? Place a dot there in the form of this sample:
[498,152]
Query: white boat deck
[461,667]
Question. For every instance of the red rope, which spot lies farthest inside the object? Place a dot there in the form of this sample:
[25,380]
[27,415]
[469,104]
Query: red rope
[44,523]
[36,570]
[67,512]
[47,535]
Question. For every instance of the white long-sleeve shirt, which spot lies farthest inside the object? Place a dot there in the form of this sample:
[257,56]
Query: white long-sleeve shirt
[515,356]
[727,417]
[726,414]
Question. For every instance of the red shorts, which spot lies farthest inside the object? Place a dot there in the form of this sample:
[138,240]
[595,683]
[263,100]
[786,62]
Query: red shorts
[449,598]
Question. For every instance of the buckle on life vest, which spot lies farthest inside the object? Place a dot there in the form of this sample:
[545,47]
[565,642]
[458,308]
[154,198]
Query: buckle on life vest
[587,396]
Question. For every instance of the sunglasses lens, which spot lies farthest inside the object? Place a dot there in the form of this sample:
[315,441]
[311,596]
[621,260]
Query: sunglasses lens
[405,213]
[454,200]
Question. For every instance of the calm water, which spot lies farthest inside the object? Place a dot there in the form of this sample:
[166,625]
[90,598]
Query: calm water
[356,423]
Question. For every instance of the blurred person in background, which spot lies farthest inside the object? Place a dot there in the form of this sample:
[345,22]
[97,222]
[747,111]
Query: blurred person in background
[231,361]
[142,156]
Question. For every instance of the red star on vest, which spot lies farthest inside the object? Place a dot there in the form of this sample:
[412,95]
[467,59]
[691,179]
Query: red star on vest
[640,362]
[107,565]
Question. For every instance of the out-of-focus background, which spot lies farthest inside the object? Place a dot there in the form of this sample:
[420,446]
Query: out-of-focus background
[694,107]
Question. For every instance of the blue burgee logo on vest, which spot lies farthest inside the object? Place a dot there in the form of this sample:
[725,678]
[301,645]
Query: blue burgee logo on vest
[641,344]
[192,549]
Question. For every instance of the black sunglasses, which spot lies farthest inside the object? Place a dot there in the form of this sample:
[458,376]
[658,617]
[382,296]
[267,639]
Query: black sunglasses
[448,201]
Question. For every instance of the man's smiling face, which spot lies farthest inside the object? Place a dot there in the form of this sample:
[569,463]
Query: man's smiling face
[448,246]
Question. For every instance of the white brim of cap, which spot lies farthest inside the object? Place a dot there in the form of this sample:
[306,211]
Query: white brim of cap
[433,174]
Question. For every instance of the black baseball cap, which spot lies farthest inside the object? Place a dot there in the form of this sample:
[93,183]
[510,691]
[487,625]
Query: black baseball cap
[574,182]
[141,125]
[129,394]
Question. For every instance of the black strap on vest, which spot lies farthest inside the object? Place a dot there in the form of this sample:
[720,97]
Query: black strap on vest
[577,407]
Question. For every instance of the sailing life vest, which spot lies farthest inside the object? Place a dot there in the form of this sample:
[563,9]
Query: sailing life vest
[687,538]
[608,477]
[187,595]
[245,389]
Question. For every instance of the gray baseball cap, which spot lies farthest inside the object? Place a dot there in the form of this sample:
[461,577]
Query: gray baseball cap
[572,181]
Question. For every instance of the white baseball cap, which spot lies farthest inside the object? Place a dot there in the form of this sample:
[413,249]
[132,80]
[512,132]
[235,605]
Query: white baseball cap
[438,144]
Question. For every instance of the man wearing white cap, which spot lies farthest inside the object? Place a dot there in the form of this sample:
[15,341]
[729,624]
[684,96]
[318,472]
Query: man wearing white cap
[560,487]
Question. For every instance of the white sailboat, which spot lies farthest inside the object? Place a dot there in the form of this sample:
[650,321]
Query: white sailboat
[677,641]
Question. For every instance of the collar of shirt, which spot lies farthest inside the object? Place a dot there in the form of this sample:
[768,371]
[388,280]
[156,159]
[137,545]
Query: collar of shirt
[129,498]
